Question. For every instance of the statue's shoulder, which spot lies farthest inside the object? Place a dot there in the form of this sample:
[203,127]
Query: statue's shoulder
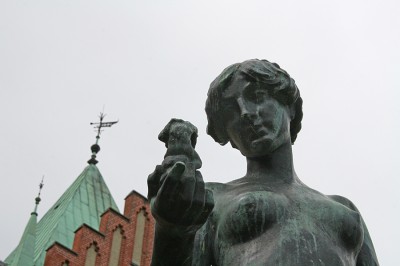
[344,201]
[215,186]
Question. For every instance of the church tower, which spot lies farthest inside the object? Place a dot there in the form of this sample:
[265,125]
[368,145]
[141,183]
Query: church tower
[85,227]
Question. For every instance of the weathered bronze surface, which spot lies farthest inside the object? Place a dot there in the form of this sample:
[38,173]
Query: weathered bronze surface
[268,216]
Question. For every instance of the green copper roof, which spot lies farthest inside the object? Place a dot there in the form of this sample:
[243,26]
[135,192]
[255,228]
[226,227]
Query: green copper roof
[23,254]
[83,202]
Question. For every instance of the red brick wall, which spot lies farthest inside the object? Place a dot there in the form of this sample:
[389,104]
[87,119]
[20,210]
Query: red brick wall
[57,254]
[86,236]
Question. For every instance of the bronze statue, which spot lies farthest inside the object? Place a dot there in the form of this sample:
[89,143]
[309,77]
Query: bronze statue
[267,217]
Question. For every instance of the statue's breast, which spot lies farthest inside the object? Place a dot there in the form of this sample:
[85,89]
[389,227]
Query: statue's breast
[336,222]
[286,218]
[245,216]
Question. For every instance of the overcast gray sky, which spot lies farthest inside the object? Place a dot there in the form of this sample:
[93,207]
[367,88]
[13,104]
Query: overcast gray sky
[148,61]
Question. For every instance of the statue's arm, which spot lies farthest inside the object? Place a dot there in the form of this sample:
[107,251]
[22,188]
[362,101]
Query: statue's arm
[172,246]
[181,205]
[204,240]
[367,255]
[202,254]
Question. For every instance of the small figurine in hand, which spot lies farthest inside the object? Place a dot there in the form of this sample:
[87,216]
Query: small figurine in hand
[180,139]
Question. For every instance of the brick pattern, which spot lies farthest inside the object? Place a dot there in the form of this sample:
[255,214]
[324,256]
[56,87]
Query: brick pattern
[85,237]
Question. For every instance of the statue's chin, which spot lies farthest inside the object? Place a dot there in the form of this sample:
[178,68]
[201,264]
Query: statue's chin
[260,147]
[262,143]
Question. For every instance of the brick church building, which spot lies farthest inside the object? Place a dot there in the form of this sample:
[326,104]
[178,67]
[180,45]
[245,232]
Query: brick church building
[85,228]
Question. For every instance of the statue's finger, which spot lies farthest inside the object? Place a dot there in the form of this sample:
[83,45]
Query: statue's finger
[198,200]
[170,182]
[153,182]
[199,194]
[173,197]
[186,191]
[165,201]
[207,208]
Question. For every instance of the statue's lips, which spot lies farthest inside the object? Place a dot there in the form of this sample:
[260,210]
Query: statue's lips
[256,132]
[258,135]
[261,140]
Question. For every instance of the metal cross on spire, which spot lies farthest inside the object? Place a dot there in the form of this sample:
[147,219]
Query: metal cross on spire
[98,126]
[37,199]
[41,186]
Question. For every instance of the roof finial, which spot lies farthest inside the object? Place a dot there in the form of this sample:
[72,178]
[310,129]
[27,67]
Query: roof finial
[95,147]
[37,199]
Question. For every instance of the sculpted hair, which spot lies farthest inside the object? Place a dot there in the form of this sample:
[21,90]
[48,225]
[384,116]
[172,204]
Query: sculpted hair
[277,81]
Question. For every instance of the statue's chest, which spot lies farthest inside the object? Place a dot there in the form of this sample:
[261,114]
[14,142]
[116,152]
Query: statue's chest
[241,217]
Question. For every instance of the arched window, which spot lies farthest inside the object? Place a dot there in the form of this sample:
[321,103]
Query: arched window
[116,247]
[139,234]
[91,255]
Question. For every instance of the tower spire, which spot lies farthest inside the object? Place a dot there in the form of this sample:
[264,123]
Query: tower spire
[24,253]
[37,199]
[95,148]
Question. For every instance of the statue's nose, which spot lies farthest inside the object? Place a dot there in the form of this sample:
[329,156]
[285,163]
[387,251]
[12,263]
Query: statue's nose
[246,111]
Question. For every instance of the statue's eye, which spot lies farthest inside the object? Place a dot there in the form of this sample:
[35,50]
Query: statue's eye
[259,96]
[228,107]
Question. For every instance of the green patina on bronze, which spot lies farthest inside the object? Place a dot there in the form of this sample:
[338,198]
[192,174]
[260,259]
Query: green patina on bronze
[268,216]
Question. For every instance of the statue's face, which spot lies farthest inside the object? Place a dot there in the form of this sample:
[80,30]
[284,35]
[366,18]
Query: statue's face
[256,123]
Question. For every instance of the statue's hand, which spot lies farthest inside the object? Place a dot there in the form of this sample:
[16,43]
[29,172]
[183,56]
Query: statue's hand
[178,196]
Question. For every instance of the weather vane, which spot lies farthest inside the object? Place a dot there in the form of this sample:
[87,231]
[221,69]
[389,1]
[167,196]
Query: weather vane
[98,126]
[101,124]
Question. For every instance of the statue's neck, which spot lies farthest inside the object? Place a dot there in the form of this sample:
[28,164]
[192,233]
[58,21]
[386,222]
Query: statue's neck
[275,167]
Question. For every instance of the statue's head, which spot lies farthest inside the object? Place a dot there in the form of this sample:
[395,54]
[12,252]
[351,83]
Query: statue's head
[252,77]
